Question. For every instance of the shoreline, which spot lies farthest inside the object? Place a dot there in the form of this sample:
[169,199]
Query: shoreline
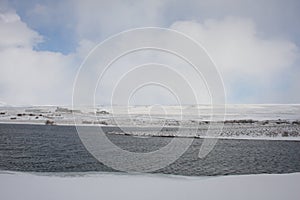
[275,138]
[133,174]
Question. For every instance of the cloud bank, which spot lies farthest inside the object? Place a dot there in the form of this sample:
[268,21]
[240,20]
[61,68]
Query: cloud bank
[252,67]
[256,65]
[28,76]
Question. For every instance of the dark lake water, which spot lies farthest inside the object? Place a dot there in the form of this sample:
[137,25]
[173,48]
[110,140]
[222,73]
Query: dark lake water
[39,148]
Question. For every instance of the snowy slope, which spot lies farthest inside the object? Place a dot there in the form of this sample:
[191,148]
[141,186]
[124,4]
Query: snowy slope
[109,186]
[241,121]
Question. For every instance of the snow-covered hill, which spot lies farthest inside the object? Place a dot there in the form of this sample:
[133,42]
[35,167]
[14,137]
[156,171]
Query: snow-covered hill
[240,121]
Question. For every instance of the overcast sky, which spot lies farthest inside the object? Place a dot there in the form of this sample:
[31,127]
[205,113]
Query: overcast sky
[255,44]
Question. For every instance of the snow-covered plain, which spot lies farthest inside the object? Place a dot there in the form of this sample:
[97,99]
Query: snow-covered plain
[26,186]
[241,121]
[279,122]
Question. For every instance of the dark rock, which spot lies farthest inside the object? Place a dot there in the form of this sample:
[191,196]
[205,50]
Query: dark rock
[102,112]
[49,122]
[285,134]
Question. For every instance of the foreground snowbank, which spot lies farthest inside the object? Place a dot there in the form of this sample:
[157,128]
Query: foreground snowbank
[108,186]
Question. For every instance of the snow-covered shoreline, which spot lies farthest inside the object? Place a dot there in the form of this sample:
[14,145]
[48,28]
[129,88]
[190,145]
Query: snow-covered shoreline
[166,134]
[271,122]
[18,185]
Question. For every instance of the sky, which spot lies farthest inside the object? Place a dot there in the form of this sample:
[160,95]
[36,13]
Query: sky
[254,44]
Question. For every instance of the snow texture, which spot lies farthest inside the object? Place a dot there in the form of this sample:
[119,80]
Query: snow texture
[119,186]
[280,122]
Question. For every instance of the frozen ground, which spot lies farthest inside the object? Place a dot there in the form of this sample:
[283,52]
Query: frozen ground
[112,186]
[241,121]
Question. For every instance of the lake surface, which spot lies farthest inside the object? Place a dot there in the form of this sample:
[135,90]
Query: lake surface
[40,148]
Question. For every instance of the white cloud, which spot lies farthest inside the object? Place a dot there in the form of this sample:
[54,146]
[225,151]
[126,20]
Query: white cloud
[15,33]
[242,56]
[28,76]
[99,19]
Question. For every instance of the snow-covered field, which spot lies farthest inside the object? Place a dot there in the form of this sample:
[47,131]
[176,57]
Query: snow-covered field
[26,186]
[241,121]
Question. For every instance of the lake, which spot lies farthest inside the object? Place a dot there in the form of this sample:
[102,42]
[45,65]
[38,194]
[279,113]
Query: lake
[41,148]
